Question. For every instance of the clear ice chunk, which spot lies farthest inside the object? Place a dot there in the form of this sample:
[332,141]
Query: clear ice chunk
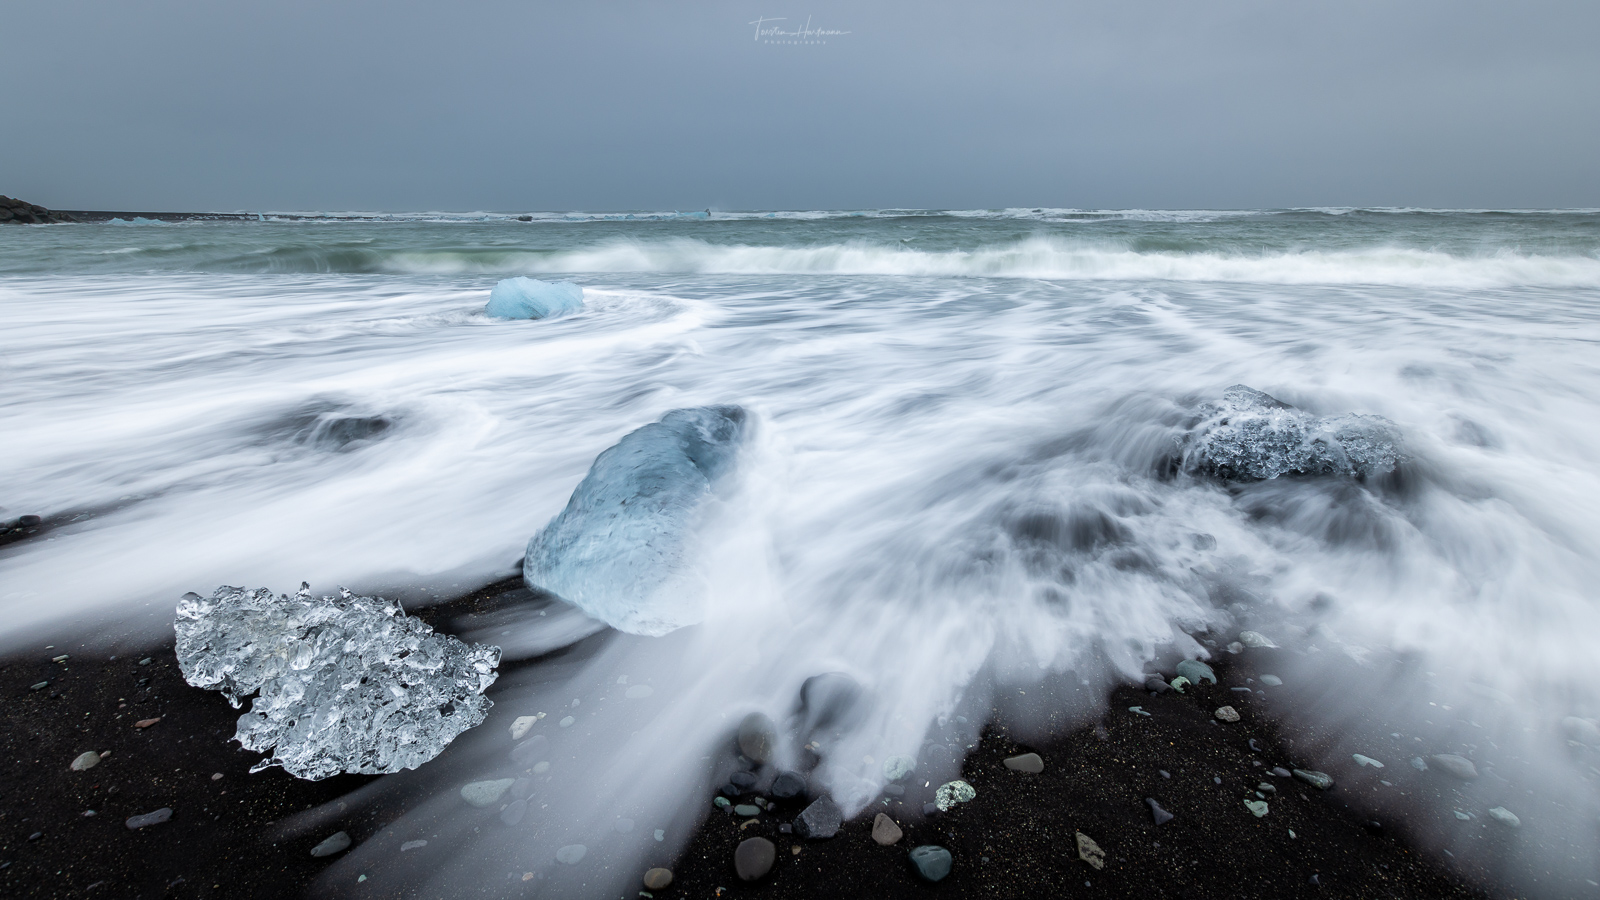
[347,683]
[1248,435]
[620,550]
[529,298]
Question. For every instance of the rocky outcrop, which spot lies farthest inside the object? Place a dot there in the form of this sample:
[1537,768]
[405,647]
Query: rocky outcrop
[24,213]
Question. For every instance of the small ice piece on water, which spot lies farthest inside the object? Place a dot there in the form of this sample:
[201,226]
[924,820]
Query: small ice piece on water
[347,683]
[622,549]
[528,298]
[1251,436]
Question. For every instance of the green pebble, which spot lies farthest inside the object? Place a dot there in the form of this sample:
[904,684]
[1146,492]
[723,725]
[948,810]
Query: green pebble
[722,802]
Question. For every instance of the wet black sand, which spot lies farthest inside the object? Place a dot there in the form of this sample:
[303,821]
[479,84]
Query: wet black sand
[227,837]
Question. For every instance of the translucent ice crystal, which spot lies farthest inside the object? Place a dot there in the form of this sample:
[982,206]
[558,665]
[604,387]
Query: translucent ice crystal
[348,684]
[621,549]
[1251,436]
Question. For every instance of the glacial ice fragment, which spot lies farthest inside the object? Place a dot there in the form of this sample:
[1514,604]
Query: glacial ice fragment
[528,298]
[1251,436]
[622,550]
[347,683]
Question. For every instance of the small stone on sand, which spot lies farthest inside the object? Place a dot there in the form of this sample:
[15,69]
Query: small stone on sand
[885,831]
[571,854]
[754,857]
[657,878]
[163,814]
[1319,780]
[1227,714]
[933,862]
[521,726]
[334,843]
[86,760]
[484,794]
[1459,766]
[1029,763]
[1090,852]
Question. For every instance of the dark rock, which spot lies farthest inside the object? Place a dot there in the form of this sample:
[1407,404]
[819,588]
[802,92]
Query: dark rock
[754,858]
[29,521]
[932,861]
[163,814]
[757,735]
[742,780]
[1156,684]
[669,874]
[830,700]
[820,820]
[788,785]
[1162,817]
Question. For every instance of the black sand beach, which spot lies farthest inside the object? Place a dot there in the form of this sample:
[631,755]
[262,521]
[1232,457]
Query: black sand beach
[230,835]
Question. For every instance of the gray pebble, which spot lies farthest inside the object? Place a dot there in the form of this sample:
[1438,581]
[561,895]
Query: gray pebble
[1459,766]
[754,858]
[163,814]
[1028,763]
[86,760]
[514,812]
[747,811]
[1319,780]
[412,845]
[1162,817]
[571,854]
[334,843]
[1195,670]
[788,785]
[933,862]
[658,878]
[885,831]
[757,735]
[484,794]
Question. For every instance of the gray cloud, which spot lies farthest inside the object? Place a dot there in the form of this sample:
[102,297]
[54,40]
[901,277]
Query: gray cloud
[608,105]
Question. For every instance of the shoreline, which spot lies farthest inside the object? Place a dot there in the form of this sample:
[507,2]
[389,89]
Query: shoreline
[237,835]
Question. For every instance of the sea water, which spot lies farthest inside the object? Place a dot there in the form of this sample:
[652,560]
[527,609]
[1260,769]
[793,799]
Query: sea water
[965,477]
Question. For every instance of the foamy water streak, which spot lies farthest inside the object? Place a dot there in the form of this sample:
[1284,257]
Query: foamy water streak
[956,483]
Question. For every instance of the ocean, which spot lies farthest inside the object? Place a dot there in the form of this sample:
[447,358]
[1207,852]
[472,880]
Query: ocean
[960,480]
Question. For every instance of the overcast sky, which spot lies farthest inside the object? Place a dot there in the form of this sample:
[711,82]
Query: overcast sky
[606,104]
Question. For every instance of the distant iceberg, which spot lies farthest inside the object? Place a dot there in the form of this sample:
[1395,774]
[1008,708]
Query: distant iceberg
[621,550]
[1249,435]
[348,684]
[528,298]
